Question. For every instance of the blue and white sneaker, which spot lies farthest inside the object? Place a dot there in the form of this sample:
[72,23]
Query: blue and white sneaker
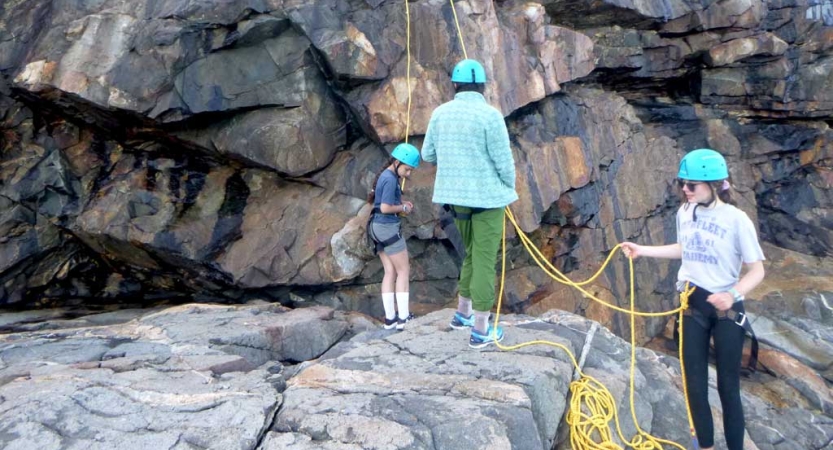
[478,340]
[461,322]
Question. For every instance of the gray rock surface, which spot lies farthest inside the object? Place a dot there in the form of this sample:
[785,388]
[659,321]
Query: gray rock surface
[225,377]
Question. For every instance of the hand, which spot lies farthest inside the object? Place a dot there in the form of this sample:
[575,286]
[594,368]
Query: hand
[407,207]
[631,250]
[722,300]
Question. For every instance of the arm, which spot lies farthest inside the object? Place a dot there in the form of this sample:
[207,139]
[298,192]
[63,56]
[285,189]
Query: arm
[394,209]
[754,275]
[388,203]
[750,250]
[671,251]
[429,150]
[497,145]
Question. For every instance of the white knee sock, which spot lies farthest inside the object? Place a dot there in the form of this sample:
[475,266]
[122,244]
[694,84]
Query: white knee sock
[464,305]
[388,302]
[402,299]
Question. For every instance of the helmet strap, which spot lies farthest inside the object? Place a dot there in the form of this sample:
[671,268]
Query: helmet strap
[709,203]
[712,199]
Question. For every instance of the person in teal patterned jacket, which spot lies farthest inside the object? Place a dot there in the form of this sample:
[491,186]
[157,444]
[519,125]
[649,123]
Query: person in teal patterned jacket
[468,141]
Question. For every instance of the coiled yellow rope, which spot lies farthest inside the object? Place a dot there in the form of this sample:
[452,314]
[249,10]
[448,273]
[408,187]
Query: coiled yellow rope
[592,407]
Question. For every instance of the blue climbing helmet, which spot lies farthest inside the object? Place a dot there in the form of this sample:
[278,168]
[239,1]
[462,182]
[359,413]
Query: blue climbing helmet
[468,71]
[406,154]
[703,164]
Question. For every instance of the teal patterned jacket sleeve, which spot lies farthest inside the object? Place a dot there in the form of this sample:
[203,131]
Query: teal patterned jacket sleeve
[429,152]
[497,144]
[468,140]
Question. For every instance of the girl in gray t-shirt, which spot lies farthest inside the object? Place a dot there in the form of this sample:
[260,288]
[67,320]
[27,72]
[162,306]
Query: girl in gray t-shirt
[384,229]
[714,239]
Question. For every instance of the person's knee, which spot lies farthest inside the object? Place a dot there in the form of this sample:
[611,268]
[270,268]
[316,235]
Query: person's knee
[402,276]
[728,386]
[698,393]
[401,265]
[404,263]
[697,385]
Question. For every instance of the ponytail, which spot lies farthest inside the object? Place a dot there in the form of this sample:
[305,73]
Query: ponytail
[723,189]
[371,196]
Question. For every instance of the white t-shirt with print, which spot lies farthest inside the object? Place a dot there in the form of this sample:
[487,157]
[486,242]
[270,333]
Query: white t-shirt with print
[715,246]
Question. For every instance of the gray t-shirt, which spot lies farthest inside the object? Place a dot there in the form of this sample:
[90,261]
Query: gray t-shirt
[387,191]
[715,246]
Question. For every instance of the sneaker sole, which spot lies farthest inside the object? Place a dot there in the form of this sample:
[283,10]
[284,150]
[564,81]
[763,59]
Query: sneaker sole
[390,327]
[460,327]
[485,343]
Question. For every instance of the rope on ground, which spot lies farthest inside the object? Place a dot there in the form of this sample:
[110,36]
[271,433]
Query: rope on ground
[592,406]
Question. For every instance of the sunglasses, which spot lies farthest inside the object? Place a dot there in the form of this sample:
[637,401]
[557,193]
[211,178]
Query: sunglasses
[691,185]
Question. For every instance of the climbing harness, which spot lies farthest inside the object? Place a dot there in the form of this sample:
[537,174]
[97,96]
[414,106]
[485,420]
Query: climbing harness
[448,213]
[372,241]
[462,215]
[446,218]
[736,314]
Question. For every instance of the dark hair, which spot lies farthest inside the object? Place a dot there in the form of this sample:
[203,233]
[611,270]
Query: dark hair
[371,196]
[725,196]
[470,87]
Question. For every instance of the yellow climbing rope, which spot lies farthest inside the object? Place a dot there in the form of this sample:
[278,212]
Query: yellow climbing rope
[553,273]
[459,32]
[592,407]
[408,70]
[407,77]
[684,301]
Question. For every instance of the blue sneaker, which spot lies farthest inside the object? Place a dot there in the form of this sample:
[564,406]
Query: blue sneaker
[478,340]
[461,322]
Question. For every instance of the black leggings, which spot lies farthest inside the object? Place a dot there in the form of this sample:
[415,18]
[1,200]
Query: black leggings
[728,346]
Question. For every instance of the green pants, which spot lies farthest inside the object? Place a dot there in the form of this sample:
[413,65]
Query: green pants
[481,236]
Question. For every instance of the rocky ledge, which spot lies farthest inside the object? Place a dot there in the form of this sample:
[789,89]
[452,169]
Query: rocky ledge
[259,376]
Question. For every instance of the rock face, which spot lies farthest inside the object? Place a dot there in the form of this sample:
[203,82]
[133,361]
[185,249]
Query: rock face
[224,150]
[263,377]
